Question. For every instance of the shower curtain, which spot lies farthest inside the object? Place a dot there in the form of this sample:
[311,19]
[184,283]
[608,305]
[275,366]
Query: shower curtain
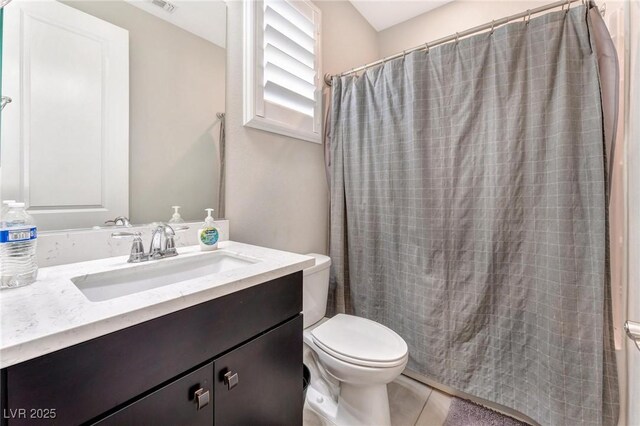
[468,214]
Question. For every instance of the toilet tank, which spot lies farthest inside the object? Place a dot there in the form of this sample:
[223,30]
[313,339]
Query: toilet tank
[315,289]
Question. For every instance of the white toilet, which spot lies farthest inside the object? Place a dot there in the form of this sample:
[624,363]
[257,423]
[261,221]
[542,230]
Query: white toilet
[359,353]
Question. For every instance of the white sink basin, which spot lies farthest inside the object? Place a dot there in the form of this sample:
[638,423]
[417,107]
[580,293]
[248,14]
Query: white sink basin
[146,276]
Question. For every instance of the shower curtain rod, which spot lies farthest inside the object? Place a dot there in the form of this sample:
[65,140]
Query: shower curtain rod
[490,25]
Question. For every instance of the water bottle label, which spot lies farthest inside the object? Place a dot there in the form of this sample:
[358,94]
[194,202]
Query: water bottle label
[15,235]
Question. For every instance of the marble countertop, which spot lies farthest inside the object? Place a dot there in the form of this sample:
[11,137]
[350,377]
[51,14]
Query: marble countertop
[53,314]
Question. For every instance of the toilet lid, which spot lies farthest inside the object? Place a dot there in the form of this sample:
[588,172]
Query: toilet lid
[360,341]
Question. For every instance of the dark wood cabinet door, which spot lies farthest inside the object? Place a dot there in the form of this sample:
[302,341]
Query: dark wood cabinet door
[185,401]
[260,383]
[84,381]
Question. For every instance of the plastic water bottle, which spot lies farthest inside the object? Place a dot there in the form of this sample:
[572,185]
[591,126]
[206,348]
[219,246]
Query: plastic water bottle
[18,236]
[5,207]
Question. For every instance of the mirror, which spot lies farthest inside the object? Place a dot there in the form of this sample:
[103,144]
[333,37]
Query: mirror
[117,108]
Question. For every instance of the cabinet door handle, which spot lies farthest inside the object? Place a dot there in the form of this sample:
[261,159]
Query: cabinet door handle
[231,379]
[201,396]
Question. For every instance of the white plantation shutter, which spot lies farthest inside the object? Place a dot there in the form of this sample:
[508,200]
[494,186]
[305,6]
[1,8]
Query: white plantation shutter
[289,57]
[282,81]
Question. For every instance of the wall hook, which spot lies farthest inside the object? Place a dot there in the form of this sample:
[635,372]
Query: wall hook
[602,9]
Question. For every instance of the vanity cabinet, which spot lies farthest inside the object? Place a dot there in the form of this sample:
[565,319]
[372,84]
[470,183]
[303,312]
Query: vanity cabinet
[250,380]
[185,401]
[236,359]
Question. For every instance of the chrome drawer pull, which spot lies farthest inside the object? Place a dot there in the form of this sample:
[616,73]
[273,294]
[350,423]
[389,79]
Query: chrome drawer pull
[201,396]
[231,379]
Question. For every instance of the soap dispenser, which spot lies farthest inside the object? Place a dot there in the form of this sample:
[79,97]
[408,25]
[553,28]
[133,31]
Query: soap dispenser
[176,218]
[208,235]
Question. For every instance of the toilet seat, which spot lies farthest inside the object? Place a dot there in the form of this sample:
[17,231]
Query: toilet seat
[360,341]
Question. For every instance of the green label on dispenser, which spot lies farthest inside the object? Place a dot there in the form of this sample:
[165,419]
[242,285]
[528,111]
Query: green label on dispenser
[209,236]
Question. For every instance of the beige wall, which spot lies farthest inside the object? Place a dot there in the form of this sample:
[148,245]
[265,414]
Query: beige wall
[276,186]
[177,84]
[457,16]
[347,38]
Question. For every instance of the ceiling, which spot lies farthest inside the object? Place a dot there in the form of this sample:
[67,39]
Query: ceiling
[384,14]
[206,19]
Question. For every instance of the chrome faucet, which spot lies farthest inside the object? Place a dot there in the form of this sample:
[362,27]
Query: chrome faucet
[162,243]
[119,221]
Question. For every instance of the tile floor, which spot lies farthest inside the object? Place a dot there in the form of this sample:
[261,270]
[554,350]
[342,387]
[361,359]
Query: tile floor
[412,404]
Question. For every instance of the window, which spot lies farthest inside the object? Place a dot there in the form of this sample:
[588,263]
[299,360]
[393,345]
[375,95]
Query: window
[282,83]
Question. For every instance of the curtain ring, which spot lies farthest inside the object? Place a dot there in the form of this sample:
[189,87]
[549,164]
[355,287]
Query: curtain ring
[457,38]
[493,23]
[528,16]
[404,54]
[426,46]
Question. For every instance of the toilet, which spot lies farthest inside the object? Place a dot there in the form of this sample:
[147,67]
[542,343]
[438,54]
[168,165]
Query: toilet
[362,355]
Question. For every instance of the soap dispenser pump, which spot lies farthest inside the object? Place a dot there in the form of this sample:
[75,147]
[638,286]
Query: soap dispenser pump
[176,218]
[208,235]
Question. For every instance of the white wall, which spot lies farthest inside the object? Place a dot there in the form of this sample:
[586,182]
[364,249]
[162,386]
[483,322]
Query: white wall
[276,186]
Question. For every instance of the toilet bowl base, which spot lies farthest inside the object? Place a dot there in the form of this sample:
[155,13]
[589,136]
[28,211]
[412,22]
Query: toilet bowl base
[357,405]
[322,404]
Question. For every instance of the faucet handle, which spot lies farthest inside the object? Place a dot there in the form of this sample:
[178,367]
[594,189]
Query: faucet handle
[137,248]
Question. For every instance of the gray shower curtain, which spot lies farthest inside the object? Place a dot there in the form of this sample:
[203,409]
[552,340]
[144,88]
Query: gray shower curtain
[468,214]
